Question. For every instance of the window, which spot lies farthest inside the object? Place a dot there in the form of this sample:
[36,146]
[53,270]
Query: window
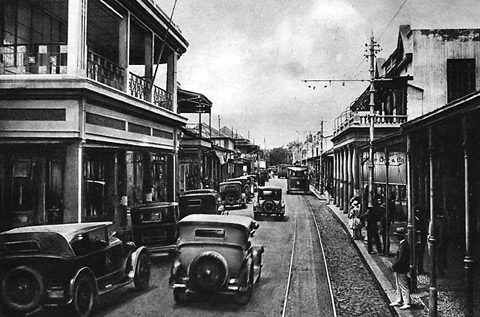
[94,170]
[460,78]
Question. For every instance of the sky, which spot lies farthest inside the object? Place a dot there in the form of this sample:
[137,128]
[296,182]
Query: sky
[250,57]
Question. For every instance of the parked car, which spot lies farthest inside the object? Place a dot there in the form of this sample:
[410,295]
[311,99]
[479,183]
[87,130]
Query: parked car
[282,170]
[200,201]
[297,179]
[215,256]
[232,194]
[68,265]
[154,225]
[247,185]
[269,202]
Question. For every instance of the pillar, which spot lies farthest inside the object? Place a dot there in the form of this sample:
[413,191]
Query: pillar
[433,293]
[172,79]
[77,37]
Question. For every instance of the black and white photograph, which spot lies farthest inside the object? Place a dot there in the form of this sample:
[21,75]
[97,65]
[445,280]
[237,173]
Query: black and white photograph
[255,158]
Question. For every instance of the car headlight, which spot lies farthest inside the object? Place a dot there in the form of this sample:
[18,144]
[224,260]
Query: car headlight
[177,269]
[243,195]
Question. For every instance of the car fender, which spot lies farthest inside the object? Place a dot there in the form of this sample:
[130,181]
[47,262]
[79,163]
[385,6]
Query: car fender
[134,256]
[83,271]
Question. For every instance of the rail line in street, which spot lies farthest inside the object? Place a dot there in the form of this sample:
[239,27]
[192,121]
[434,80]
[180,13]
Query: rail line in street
[286,300]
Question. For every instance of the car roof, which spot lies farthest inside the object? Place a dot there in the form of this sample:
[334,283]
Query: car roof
[270,188]
[298,168]
[243,221]
[199,191]
[231,182]
[68,230]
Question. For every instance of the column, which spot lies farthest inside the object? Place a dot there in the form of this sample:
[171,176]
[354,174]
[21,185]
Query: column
[345,180]
[73,184]
[433,293]
[77,37]
[348,170]
[336,177]
[468,261]
[172,78]
[355,174]
[124,47]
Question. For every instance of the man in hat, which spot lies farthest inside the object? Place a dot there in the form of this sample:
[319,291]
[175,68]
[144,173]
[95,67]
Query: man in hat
[401,267]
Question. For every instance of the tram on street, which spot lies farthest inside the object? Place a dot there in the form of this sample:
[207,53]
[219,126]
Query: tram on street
[297,179]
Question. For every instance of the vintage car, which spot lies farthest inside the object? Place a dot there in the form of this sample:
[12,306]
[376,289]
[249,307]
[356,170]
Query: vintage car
[232,194]
[247,185]
[298,180]
[200,201]
[269,202]
[215,256]
[154,225]
[67,265]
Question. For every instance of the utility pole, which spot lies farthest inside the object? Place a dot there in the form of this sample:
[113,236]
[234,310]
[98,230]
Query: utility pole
[372,51]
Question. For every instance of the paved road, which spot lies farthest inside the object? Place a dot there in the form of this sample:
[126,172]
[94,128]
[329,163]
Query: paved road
[309,294]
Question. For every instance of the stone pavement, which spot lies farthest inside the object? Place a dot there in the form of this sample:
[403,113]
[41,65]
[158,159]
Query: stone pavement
[380,266]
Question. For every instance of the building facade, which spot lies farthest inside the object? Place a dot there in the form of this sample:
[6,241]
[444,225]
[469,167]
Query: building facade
[86,131]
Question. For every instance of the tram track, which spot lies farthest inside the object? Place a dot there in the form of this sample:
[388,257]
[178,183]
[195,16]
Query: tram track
[313,266]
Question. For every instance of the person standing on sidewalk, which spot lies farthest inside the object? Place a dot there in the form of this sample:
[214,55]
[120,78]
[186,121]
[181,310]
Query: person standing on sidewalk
[421,227]
[401,267]
[354,220]
[372,230]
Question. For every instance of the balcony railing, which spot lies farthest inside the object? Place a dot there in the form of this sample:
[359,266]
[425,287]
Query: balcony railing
[104,71]
[349,119]
[33,59]
[52,59]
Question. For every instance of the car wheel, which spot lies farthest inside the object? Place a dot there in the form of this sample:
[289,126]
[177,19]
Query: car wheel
[268,206]
[83,296]
[208,271]
[22,289]
[142,273]
[180,295]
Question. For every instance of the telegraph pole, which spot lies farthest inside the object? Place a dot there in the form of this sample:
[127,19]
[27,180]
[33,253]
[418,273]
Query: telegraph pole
[372,50]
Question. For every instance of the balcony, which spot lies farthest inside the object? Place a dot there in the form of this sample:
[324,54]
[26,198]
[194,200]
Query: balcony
[360,119]
[52,59]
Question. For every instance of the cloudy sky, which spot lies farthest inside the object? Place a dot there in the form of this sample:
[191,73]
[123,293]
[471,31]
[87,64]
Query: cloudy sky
[249,57]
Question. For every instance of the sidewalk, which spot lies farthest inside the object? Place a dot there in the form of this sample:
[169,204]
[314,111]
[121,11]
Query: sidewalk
[381,266]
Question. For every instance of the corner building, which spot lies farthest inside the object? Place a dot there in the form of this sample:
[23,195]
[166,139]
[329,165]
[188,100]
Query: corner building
[85,131]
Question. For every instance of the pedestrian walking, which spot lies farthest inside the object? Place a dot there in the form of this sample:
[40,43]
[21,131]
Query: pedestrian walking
[421,229]
[401,267]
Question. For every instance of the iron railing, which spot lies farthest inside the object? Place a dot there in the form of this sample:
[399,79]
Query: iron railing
[104,71]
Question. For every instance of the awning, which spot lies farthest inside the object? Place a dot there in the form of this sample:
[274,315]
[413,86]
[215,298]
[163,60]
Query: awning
[221,157]
[192,102]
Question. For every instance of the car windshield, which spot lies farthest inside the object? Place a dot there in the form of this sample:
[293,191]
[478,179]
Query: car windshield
[270,194]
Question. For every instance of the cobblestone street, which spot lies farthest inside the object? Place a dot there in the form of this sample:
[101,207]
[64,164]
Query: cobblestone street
[355,290]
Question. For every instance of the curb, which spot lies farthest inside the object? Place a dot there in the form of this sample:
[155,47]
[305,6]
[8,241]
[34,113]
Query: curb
[381,280]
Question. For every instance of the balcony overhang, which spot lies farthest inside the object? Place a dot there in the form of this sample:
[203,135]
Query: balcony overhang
[383,86]
[193,102]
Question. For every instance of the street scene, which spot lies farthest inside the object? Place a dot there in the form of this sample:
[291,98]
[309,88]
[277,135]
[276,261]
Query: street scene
[240,158]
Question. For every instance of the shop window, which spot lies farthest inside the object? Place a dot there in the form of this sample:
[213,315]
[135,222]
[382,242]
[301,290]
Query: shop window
[460,77]
[23,196]
[94,170]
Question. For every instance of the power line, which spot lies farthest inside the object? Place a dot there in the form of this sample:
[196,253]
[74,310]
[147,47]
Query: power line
[391,20]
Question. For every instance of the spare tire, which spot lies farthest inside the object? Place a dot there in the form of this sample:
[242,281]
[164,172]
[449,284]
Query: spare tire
[23,289]
[268,206]
[208,272]
[230,199]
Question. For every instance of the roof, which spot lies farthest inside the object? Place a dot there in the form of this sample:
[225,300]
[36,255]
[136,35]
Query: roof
[68,230]
[270,188]
[243,221]
[231,182]
[297,168]
[193,102]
